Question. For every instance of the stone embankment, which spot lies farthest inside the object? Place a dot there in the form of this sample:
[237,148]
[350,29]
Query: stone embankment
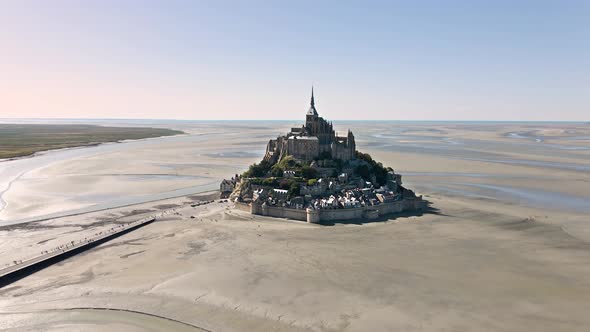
[21,269]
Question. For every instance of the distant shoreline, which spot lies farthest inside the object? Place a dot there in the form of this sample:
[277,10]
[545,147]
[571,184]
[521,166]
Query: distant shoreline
[18,141]
[34,154]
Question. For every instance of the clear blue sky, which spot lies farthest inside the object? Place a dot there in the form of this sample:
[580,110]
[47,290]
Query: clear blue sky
[419,60]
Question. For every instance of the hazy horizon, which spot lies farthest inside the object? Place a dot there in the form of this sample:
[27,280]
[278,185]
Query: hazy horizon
[2,120]
[189,60]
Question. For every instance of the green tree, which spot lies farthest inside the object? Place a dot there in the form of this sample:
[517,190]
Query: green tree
[257,170]
[363,172]
[286,163]
[308,172]
[276,171]
[294,189]
[270,182]
[364,156]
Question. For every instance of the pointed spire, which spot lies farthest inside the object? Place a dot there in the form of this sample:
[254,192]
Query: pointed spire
[312,110]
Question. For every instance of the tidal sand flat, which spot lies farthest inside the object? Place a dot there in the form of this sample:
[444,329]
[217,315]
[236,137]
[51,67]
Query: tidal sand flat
[108,175]
[490,254]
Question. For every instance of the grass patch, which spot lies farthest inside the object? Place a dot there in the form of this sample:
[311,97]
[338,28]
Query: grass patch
[17,140]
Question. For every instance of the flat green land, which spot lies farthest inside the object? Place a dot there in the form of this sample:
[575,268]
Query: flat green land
[17,140]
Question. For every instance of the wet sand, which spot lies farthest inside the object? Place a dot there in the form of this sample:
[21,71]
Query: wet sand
[483,258]
[225,270]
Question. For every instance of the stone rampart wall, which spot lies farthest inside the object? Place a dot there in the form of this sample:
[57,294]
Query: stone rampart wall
[340,214]
[281,212]
[393,207]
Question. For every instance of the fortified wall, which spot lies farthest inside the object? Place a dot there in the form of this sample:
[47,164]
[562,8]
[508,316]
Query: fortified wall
[316,216]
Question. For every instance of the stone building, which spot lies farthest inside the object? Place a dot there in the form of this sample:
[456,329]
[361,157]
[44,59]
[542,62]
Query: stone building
[280,194]
[226,187]
[314,139]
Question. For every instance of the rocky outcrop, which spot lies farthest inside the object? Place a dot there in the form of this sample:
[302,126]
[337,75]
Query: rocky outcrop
[243,190]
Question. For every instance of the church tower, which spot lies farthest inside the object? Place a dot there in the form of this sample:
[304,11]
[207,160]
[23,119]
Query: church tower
[312,115]
[351,145]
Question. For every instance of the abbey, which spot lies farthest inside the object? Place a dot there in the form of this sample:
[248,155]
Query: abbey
[314,139]
[314,175]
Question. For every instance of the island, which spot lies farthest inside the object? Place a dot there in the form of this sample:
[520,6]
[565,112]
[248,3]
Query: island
[315,175]
[19,140]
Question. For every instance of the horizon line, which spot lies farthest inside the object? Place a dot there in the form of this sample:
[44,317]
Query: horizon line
[285,120]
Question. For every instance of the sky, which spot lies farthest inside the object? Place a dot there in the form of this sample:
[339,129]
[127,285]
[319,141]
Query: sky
[231,60]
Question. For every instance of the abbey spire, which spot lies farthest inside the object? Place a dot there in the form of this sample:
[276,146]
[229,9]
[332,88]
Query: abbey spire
[312,110]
